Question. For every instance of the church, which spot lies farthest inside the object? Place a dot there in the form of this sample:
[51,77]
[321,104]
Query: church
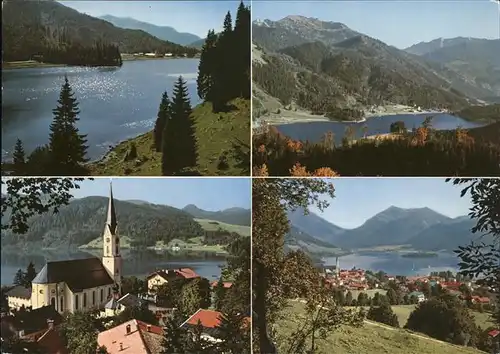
[82,284]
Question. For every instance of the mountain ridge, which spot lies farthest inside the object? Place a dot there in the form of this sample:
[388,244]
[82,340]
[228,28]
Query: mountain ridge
[30,27]
[419,228]
[166,33]
[83,219]
[234,215]
[351,70]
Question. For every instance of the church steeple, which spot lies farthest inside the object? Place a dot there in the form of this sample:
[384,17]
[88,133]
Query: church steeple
[111,258]
[111,219]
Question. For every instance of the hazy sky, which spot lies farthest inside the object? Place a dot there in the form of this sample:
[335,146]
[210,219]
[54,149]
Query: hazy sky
[206,193]
[397,23]
[196,17]
[358,199]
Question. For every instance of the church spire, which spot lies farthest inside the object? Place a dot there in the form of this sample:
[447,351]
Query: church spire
[111,219]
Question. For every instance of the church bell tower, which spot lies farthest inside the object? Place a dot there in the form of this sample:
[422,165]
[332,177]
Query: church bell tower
[112,259]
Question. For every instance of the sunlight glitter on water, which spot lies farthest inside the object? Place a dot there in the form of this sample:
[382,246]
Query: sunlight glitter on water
[146,123]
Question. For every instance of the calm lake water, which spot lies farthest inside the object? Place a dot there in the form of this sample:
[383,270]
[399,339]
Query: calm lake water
[134,263]
[115,103]
[392,263]
[314,131]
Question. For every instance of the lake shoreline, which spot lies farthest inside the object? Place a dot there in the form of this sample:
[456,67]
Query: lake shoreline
[32,64]
[300,116]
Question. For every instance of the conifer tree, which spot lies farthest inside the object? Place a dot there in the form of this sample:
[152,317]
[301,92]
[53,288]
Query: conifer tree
[29,275]
[219,293]
[206,66]
[19,278]
[161,120]
[19,161]
[197,343]
[179,141]
[234,334]
[223,66]
[67,146]
[241,52]
[175,337]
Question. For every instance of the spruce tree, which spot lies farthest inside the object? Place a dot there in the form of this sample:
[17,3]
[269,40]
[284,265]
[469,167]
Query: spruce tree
[233,331]
[67,146]
[241,52]
[161,120]
[178,140]
[206,67]
[223,66]
[29,275]
[175,337]
[219,294]
[197,343]
[19,277]
[19,160]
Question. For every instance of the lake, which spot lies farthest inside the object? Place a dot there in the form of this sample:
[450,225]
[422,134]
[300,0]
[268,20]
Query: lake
[140,264]
[392,263]
[115,103]
[314,131]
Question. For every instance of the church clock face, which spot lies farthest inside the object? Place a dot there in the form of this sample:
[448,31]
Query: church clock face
[107,240]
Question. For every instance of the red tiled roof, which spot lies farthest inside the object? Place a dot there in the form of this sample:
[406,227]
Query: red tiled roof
[483,300]
[226,284]
[143,326]
[208,318]
[52,342]
[494,332]
[186,273]
[138,341]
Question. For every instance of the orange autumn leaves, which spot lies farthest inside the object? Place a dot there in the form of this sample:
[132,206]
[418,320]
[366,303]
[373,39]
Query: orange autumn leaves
[297,170]
[293,151]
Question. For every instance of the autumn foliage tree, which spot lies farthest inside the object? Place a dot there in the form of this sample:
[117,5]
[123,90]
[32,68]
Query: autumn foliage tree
[422,152]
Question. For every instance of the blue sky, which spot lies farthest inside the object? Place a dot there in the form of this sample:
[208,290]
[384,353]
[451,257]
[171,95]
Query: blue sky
[196,17]
[397,23]
[358,199]
[206,193]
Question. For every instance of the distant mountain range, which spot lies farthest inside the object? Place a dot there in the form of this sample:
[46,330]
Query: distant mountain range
[318,64]
[420,229]
[141,222]
[165,33]
[30,27]
[473,57]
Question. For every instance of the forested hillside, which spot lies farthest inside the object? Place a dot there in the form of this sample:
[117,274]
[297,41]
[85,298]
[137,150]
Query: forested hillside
[32,28]
[84,219]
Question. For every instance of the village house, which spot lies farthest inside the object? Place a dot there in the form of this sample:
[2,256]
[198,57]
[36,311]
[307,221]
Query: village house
[209,319]
[163,276]
[419,295]
[79,284]
[132,337]
[30,325]
[117,305]
[18,297]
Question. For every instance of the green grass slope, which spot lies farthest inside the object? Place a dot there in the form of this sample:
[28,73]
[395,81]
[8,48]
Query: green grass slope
[221,136]
[212,225]
[369,339]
